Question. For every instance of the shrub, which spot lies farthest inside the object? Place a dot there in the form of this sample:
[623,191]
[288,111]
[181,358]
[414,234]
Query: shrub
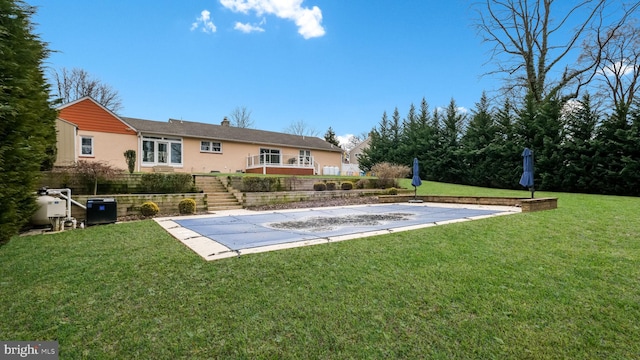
[362,184]
[388,174]
[331,185]
[319,186]
[347,185]
[187,206]
[159,183]
[93,171]
[260,184]
[149,208]
[130,157]
[392,191]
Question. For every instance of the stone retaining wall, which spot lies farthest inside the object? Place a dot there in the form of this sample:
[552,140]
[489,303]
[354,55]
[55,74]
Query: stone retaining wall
[529,205]
[288,183]
[130,204]
[279,197]
[526,204]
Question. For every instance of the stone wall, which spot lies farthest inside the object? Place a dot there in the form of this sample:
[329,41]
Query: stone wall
[289,183]
[529,205]
[130,204]
[279,197]
[526,204]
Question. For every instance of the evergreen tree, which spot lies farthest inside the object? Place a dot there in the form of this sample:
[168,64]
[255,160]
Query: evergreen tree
[434,149]
[379,143]
[631,171]
[617,154]
[578,167]
[449,162]
[408,140]
[476,141]
[395,132]
[539,128]
[330,137]
[27,129]
[548,158]
[427,140]
[505,150]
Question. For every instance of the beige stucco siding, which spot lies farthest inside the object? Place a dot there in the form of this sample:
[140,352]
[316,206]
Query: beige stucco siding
[65,142]
[234,156]
[108,147]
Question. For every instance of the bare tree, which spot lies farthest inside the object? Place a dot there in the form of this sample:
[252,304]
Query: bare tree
[241,117]
[93,171]
[534,40]
[619,68]
[77,83]
[301,128]
[354,140]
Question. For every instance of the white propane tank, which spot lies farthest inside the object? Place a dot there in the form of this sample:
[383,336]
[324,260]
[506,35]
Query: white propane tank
[48,206]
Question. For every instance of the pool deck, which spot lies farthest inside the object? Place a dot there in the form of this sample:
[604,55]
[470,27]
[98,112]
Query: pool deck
[231,233]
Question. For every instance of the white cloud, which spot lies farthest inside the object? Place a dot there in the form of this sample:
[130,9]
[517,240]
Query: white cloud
[308,20]
[247,28]
[618,68]
[344,139]
[459,109]
[206,22]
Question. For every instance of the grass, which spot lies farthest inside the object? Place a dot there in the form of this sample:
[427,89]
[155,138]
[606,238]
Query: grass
[547,285]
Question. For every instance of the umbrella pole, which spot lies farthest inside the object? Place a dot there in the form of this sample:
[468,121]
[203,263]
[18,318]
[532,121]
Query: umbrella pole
[532,191]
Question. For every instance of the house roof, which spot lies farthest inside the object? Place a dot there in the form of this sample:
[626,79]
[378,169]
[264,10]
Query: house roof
[88,114]
[228,133]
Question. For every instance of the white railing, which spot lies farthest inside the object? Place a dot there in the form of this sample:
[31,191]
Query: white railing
[286,160]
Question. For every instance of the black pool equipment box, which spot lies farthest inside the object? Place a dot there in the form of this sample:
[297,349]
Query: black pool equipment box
[101,211]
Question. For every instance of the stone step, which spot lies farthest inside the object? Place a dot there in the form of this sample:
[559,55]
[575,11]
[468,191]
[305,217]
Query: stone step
[224,207]
[218,196]
[215,200]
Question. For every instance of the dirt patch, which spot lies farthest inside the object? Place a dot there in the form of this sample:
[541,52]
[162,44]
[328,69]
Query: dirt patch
[325,223]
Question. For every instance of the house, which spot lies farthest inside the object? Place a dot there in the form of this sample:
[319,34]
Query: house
[352,165]
[98,134]
[89,131]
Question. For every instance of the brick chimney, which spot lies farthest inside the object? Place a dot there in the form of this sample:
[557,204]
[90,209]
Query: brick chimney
[225,122]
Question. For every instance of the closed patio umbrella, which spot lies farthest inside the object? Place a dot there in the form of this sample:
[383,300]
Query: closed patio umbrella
[527,170]
[415,181]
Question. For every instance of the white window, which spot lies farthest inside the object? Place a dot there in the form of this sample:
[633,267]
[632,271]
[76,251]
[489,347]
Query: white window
[161,150]
[86,146]
[305,157]
[210,146]
[269,156]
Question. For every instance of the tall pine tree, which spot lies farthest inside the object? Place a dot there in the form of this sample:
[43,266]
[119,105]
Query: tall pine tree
[577,168]
[478,137]
[28,136]
[330,137]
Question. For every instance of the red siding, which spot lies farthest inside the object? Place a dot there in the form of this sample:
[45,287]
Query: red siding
[92,117]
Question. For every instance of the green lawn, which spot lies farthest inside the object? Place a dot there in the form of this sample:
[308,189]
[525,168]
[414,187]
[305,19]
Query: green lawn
[560,284]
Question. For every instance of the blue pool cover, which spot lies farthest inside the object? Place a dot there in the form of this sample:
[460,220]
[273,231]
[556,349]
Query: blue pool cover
[239,232]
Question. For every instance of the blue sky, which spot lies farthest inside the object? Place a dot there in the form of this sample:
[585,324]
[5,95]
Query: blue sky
[327,63]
